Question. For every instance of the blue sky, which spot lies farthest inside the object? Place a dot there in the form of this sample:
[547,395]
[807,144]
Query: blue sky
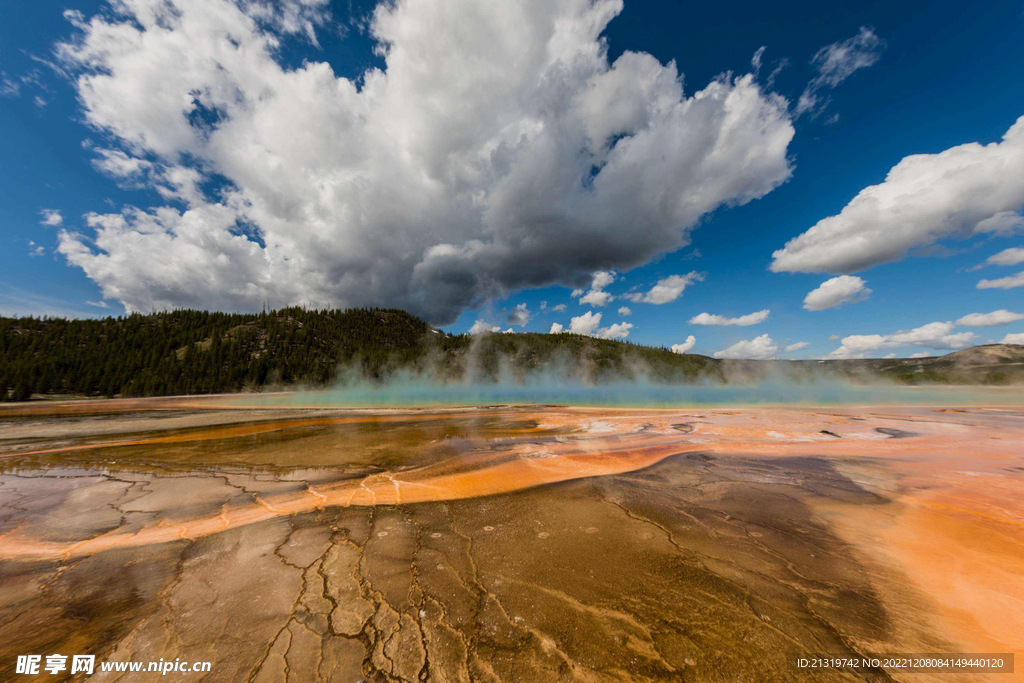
[931,78]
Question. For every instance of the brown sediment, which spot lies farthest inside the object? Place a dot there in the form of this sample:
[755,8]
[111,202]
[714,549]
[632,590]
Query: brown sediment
[102,406]
[226,432]
[626,449]
[400,546]
[483,475]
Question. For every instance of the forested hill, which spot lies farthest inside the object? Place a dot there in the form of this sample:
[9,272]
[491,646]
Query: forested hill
[196,352]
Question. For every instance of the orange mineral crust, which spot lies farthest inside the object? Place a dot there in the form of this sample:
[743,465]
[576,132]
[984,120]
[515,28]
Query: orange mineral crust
[871,529]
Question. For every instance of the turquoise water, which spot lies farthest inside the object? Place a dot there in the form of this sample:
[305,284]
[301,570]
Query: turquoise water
[408,394]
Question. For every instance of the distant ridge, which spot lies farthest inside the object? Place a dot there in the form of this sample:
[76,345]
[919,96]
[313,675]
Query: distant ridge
[986,364]
[987,354]
[199,352]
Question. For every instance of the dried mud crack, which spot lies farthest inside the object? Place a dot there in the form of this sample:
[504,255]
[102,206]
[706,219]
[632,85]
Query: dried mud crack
[514,544]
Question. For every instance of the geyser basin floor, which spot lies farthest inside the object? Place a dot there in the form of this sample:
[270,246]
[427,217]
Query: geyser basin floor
[513,544]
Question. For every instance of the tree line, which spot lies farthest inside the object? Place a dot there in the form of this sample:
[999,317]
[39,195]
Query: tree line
[202,352]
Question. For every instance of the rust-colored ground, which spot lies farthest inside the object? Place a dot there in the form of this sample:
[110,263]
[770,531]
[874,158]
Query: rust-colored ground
[533,543]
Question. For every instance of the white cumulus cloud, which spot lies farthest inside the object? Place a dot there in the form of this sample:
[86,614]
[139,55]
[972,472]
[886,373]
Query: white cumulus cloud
[937,335]
[520,315]
[758,348]
[602,279]
[1003,224]
[1007,257]
[1017,338]
[585,324]
[481,327]
[797,346]
[590,324]
[117,164]
[993,319]
[624,311]
[690,342]
[1009,282]
[596,298]
[742,321]
[496,149]
[666,290]
[616,331]
[51,217]
[837,291]
[556,328]
[925,198]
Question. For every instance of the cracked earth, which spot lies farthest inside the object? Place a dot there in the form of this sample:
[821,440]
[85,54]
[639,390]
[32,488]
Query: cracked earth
[508,544]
